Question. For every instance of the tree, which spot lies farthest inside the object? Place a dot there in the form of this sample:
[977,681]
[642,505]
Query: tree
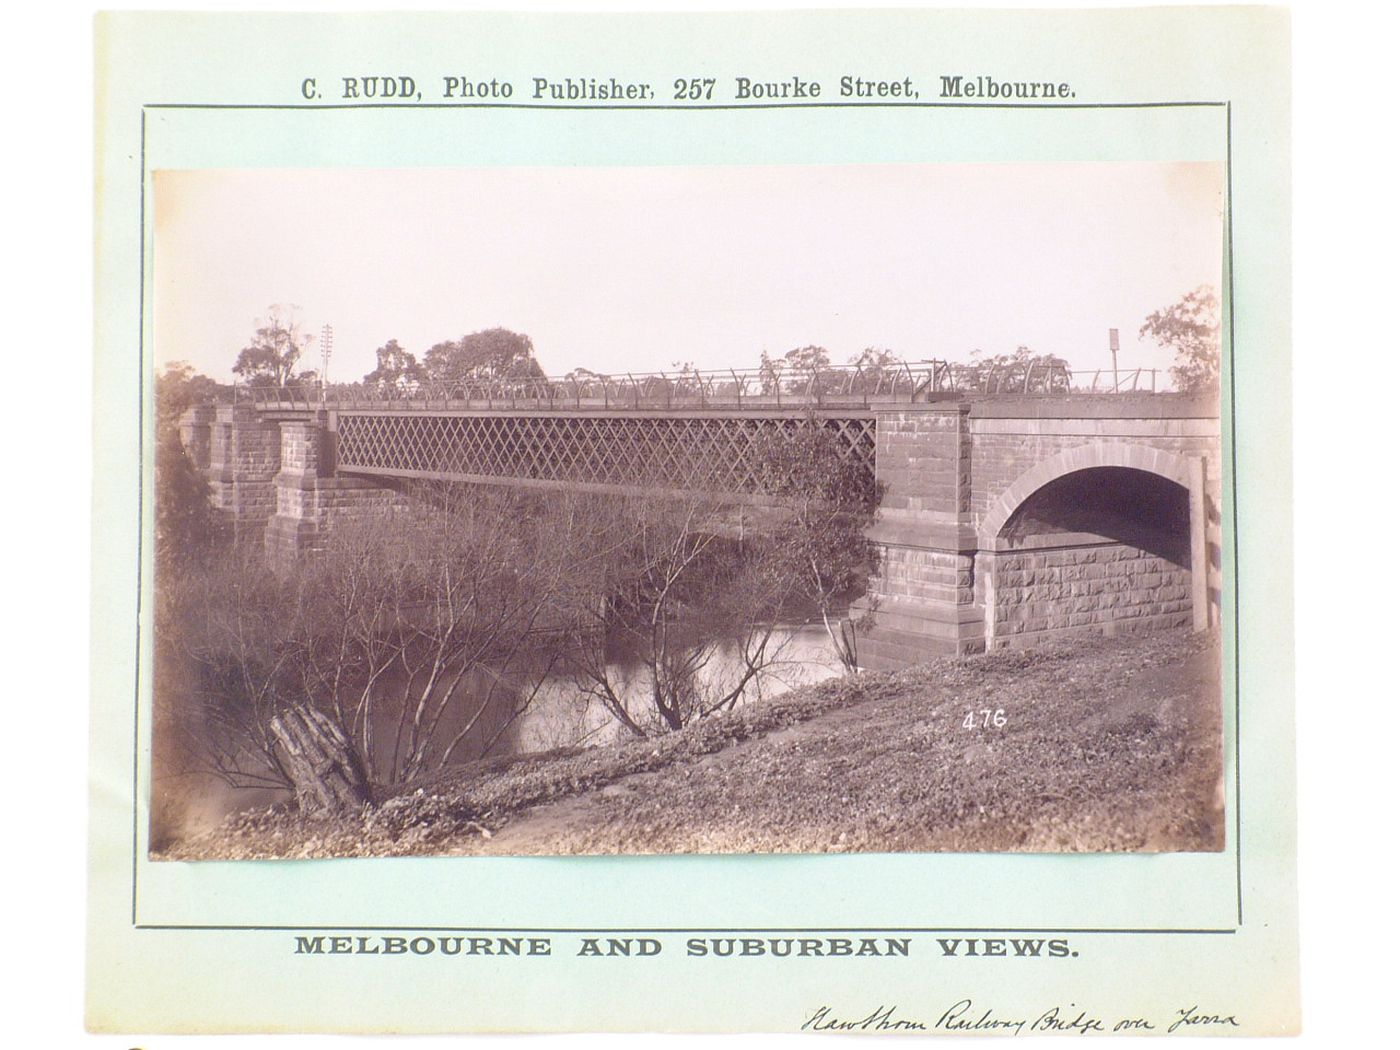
[396,369]
[418,638]
[180,388]
[699,586]
[1190,328]
[187,525]
[876,358]
[795,371]
[220,643]
[799,359]
[270,358]
[1021,372]
[423,617]
[188,533]
[690,618]
[584,375]
[495,353]
[818,544]
[879,369]
[584,382]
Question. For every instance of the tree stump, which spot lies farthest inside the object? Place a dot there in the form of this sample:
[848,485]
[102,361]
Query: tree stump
[326,773]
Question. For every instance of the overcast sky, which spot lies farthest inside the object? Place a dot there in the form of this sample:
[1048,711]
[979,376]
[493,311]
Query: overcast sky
[619,269]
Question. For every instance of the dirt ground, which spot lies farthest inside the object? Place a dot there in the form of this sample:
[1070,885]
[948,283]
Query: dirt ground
[1105,745]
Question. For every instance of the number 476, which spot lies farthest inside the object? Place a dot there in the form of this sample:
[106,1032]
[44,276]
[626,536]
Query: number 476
[990,718]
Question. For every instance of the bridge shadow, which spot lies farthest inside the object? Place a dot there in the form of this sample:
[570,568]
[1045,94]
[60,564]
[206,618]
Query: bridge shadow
[1121,504]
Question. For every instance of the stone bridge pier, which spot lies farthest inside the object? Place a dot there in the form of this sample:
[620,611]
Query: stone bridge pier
[274,477]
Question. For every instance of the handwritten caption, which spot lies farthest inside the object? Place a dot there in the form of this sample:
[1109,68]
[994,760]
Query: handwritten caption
[967,1017]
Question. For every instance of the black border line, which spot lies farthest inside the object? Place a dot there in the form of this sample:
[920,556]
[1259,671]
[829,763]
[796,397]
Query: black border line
[700,108]
[1234,501]
[567,930]
[140,531]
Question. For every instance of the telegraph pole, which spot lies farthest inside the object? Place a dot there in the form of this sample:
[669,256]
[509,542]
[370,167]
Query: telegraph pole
[327,338]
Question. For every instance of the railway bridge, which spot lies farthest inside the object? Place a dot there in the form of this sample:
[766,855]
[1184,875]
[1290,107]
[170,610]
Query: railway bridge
[1016,509]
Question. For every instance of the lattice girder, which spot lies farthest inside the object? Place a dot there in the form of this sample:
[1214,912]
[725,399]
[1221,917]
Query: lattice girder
[692,453]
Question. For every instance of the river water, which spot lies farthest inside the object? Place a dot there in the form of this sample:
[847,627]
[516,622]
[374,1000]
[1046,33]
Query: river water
[561,717]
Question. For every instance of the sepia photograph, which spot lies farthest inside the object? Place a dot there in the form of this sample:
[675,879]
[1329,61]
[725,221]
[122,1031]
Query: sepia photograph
[700,509]
[698,522]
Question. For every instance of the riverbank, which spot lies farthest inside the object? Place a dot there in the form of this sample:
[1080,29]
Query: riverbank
[1102,745]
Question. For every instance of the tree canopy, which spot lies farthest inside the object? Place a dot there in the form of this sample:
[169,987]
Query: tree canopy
[271,357]
[1023,370]
[396,368]
[1190,328]
[187,526]
[803,358]
[876,357]
[495,353]
[819,548]
[179,388]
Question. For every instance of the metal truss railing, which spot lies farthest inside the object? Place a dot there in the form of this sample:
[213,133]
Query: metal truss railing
[832,386]
[1041,378]
[701,454]
[1114,381]
[730,388]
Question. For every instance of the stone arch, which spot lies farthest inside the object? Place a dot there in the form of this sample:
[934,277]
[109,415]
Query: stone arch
[1157,461]
[1186,471]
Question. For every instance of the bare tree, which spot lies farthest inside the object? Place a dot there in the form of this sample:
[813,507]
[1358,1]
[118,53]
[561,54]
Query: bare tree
[690,623]
[418,639]
[223,621]
[439,622]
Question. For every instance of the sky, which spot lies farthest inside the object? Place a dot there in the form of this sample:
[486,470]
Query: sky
[636,269]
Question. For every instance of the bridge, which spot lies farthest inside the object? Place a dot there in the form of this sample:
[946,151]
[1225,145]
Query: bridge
[1019,507]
